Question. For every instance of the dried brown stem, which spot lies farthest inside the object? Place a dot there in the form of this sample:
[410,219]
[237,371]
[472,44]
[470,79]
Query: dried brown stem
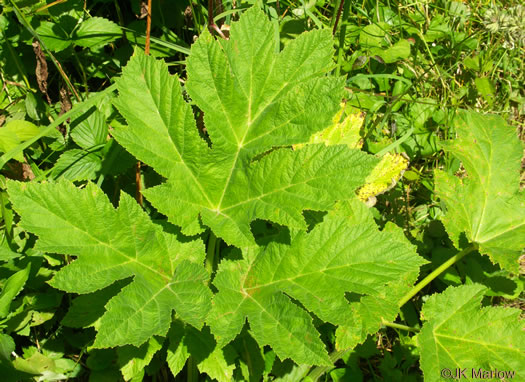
[138,194]
[148,28]
[338,16]
[210,15]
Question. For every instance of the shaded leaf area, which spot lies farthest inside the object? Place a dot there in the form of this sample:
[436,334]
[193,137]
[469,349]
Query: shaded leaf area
[486,205]
[133,360]
[16,132]
[94,32]
[89,129]
[370,311]
[87,309]
[345,253]
[185,341]
[460,334]
[11,288]
[255,100]
[76,164]
[115,244]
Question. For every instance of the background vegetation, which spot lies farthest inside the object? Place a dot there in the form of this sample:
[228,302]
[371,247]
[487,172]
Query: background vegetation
[409,65]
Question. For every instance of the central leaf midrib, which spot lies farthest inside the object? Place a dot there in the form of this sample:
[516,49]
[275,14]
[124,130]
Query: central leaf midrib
[500,233]
[259,197]
[317,272]
[251,121]
[486,345]
[240,144]
[269,193]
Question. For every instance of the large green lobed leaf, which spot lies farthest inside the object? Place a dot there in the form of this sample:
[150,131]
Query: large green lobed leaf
[257,103]
[115,244]
[344,253]
[486,205]
[255,99]
[458,334]
[372,310]
[184,341]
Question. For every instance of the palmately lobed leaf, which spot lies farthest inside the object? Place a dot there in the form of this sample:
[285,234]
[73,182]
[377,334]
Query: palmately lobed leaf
[341,132]
[458,334]
[115,244]
[486,205]
[383,177]
[255,100]
[345,253]
[218,362]
[371,311]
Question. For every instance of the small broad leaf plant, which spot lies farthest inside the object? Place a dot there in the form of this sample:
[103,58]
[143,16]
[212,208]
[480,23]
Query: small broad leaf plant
[273,286]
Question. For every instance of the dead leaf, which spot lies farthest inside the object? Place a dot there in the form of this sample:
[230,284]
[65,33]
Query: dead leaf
[20,171]
[41,69]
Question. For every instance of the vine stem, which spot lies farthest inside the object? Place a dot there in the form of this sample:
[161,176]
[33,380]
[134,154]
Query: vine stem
[342,33]
[192,374]
[210,252]
[399,326]
[439,270]
[318,371]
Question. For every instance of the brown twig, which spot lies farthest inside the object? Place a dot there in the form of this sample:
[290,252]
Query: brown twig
[219,32]
[138,195]
[148,28]
[66,79]
[211,24]
[341,4]
[220,8]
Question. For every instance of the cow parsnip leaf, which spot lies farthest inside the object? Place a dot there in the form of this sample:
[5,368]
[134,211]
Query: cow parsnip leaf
[217,362]
[344,253]
[114,244]
[133,360]
[345,132]
[255,100]
[370,311]
[383,177]
[486,205]
[458,334]
[86,310]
